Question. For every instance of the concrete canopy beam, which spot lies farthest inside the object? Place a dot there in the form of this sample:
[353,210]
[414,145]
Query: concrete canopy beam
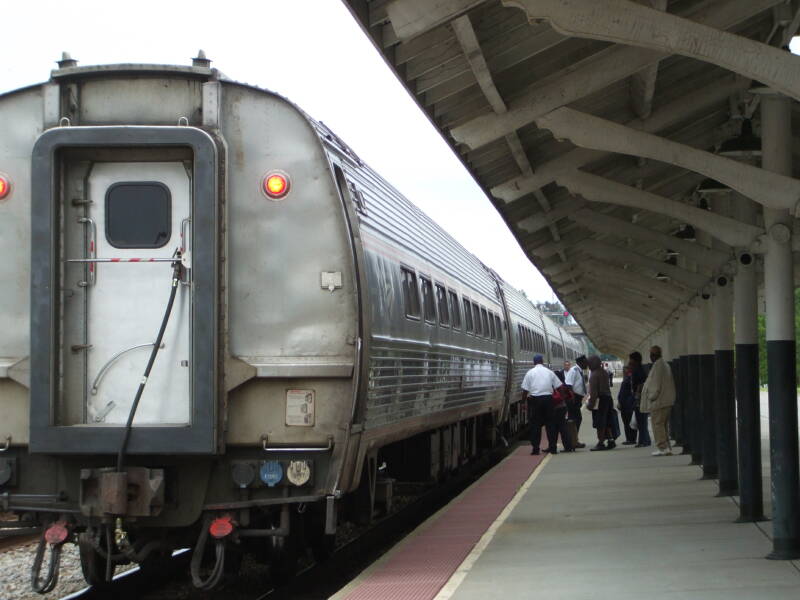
[587,131]
[599,189]
[663,118]
[465,34]
[411,18]
[643,83]
[636,327]
[629,280]
[622,255]
[626,22]
[655,311]
[592,75]
[603,223]
[545,219]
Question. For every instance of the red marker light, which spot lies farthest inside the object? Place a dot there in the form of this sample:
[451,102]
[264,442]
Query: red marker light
[276,185]
[5,187]
[56,533]
[221,526]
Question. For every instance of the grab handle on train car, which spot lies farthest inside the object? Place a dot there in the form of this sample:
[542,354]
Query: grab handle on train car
[277,448]
[91,251]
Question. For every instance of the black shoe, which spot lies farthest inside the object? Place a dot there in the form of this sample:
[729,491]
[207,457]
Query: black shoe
[598,447]
[611,445]
[580,445]
[568,450]
[628,443]
[535,451]
[551,451]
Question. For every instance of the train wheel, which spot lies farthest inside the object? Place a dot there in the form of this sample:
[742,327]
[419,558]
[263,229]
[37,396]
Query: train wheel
[93,564]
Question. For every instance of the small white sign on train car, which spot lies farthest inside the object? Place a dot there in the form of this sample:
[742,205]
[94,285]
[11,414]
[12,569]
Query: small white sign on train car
[300,407]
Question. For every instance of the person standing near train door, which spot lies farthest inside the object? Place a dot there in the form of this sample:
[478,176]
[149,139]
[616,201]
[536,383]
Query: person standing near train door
[638,377]
[537,387]
[600,403]
[574,379]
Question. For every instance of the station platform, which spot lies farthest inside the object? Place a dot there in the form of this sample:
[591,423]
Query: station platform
[620,524]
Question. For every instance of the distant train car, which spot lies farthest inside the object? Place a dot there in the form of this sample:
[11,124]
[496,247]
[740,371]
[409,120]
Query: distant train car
[218,323]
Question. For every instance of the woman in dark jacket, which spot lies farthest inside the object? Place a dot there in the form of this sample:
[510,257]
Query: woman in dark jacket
[600,403]
[626,402]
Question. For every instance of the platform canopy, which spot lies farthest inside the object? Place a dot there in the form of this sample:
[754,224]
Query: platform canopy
[617,138]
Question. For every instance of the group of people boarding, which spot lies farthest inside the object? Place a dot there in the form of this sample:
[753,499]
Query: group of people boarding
[556,399]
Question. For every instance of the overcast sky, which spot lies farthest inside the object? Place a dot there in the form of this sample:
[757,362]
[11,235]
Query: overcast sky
[312,52]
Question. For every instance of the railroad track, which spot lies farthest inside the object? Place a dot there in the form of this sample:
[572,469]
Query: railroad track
[12,537]
[314,580]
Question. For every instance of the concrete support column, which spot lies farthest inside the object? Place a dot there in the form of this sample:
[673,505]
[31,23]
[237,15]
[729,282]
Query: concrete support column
[686,446]
[745,307]
[694,398]
[676,350]
[707,388]
[724,401]
[776,140]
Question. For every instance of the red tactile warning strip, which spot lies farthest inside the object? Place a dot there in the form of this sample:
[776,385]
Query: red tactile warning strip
[419,569]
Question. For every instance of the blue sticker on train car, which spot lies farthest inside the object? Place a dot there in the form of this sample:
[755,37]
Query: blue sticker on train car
[271,472]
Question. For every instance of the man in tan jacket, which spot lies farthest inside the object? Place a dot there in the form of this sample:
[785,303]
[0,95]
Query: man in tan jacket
[658,396]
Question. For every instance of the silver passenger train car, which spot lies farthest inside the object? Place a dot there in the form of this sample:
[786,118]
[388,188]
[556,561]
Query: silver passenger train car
[219,323]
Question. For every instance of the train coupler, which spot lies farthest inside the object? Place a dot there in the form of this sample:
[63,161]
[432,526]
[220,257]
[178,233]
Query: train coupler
[53,538]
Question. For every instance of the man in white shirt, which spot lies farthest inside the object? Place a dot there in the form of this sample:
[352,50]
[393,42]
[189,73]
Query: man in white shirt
[574,379]
[537,387]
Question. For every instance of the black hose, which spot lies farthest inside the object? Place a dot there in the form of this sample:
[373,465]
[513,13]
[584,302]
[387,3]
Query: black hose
[176,277]
[218,570]
[51,579]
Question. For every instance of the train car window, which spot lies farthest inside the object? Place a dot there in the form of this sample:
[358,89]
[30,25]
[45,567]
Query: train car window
[487,331]
[476,317]
[455,310]
[441,301]
[499,325]
[519,336]
[138,214]
[468,316]
[530,339]
[428,303]
[492,326]
[410,293]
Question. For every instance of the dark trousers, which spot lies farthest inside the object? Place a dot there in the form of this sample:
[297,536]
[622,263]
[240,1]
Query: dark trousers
[574,414]
[630,432]
[559,426]
[540,409]
[641,427]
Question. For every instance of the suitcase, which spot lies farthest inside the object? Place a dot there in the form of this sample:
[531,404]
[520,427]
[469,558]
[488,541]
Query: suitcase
[572,434]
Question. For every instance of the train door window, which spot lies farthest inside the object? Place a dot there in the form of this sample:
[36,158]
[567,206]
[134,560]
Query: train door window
[499,325]
[441,301]
[410,293]
[468,316]
[487,331]
[138,214]
[492,326]
[476,316]
[428,303]
[455,310]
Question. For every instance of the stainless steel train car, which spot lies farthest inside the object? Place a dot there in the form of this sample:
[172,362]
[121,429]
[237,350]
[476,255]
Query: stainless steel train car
[220,327]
